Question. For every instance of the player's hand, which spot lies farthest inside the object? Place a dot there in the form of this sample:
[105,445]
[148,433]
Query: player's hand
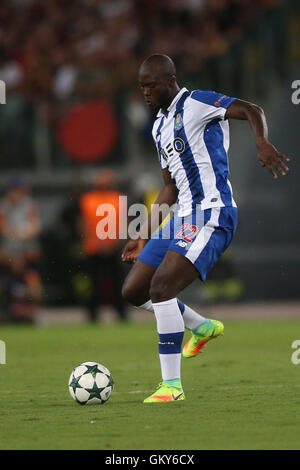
[132,250]
[269,157]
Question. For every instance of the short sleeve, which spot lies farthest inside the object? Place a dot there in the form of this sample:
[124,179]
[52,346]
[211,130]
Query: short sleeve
[162,157]
[209,105]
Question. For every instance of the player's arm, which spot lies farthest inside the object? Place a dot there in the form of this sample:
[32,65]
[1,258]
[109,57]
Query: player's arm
[165,200]
[167,197]
[268,155]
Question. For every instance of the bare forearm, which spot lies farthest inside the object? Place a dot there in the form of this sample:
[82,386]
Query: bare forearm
[254,115]
[257,120]
[267,154]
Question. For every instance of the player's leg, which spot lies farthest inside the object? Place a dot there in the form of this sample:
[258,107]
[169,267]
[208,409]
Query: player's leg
[153,255]
[137,283]
[171,277]
[217,233]
[191,318]
[136,291]
[203,329]
[183,263]
[174,274]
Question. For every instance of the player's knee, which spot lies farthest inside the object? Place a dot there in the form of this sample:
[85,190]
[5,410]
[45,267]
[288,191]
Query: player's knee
[160,289]
[130,294]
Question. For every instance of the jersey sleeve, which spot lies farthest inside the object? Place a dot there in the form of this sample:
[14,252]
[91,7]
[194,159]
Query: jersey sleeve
[162,158]
[162,161]
[160,153]
[209,105]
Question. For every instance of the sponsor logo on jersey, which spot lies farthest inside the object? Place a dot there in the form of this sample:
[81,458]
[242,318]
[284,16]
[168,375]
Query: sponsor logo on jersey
[179,145]
[163,154]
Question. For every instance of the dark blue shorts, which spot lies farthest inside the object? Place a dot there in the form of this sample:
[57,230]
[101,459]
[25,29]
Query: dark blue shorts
[202,237]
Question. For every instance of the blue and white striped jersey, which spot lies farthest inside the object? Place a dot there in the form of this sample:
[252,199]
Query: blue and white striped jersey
[192,141]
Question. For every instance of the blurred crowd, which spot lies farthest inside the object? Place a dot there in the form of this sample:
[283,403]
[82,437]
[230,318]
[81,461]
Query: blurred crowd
[87,270]
[55,48]
[20,254]
[59,58]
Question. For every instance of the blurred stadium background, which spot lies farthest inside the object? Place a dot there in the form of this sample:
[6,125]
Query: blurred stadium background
[73,108]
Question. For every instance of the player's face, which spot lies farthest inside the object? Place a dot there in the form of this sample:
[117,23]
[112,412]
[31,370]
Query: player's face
[156,91]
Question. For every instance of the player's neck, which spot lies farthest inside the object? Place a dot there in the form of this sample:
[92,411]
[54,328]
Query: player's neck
[175,91]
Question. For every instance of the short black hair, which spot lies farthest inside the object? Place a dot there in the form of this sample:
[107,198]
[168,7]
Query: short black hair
[162,64]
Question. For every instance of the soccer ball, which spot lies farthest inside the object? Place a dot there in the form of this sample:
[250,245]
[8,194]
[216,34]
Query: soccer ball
[90,383]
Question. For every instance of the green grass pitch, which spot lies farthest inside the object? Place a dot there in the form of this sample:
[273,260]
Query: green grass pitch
[243,392]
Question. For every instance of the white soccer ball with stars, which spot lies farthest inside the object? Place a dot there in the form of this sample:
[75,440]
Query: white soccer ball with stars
[91,383]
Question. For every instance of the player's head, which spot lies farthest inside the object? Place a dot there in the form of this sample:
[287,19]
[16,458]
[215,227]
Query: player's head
[157,79]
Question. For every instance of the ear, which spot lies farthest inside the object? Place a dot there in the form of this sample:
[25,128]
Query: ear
[171,81]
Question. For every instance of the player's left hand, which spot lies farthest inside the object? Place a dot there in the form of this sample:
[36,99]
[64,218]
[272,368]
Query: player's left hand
[269,157]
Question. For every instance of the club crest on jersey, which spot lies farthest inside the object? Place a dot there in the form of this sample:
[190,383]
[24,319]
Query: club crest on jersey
[178,122]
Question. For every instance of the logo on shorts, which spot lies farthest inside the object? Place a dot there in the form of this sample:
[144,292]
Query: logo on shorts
[178,122]
[181,243]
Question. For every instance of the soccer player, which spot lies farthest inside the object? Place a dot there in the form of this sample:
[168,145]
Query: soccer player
[191,134]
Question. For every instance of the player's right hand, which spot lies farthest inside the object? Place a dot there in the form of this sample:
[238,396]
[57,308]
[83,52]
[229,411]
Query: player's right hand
[269,157]
[132,250]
